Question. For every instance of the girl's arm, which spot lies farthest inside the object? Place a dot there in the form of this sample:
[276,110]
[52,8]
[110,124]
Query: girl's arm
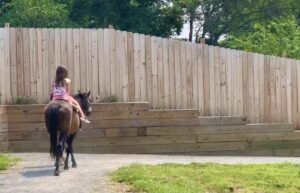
[68,81]
[51,92]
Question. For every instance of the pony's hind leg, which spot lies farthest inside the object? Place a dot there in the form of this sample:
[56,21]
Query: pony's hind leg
[66,167]
[60,149]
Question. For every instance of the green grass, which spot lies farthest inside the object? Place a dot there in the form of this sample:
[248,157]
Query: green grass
[211,178]
[6,161]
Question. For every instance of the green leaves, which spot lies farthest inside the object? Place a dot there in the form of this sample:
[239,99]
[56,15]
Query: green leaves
[34,13]
[154,17]
[279,37]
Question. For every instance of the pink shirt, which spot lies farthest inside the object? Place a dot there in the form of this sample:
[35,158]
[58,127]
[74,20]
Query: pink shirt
[59,92]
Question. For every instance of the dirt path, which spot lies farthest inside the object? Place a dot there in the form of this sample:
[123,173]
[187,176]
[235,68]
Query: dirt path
[35,173]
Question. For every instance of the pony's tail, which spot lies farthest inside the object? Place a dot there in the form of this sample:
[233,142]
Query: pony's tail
[51,117]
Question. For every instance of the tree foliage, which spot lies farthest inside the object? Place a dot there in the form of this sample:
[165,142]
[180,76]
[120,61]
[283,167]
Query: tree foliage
[155,17]
[34,13]
[280,37]
[215,18]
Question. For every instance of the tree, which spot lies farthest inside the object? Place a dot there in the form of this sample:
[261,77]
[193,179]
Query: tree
[192,11]
[215,18]
[280,37]
[34,13]
[154,17]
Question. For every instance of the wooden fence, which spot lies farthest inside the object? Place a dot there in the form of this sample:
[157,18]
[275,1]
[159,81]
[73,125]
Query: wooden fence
[167,73]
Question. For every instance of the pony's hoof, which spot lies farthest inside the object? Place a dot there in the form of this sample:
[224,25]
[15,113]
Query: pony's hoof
[56,173]
[74,165]
[66,168]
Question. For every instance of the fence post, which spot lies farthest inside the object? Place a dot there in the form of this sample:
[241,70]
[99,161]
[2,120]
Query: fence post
[7,25]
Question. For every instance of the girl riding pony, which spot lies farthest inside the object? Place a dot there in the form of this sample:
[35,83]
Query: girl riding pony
[61,91]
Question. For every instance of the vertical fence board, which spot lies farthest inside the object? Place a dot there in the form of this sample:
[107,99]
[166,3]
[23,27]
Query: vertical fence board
[172,75]
[217,84]
[88,64]
[2,64]
[245,84]
[206,81]
[289,88]
[136,64]
[229,84]
[212,95]
[13,63]
[177,74]
[278,92]
[124,63]
[183,73]
[101,65]
[294,92]
[143,68]
[63,48]
[76,50]
[195,97]
[26,61]
[283,90]
[148,47]
[297,116]
[119,66]
[189,75]
[48,64]
[223,83]
[41,78]
[166,74]
[160,72]
[251,109]
[261,88]
[200,78]
[130,61]
[94,65]
[33,62]
[112,61]
[53,58]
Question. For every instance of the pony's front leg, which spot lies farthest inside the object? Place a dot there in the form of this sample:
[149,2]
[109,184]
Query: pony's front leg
[66,167]
[74,164]
[70,149]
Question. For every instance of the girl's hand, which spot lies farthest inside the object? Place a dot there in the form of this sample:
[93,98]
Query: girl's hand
[67,80]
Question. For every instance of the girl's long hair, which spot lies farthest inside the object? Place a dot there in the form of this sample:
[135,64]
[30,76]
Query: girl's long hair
[61,74]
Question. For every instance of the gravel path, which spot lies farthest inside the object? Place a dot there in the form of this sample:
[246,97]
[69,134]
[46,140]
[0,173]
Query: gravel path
[34,173]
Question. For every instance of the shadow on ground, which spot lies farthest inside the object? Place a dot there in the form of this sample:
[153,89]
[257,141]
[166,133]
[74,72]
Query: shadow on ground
[41,171]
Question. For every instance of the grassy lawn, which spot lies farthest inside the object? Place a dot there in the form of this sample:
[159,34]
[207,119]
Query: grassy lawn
[211,178]
[6,161]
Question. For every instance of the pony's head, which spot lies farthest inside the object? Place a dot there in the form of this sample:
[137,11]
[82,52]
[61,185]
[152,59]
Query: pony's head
[84,102]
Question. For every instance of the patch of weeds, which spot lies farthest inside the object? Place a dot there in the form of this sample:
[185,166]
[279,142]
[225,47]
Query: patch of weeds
[24,100]
[7,161]
[110,99]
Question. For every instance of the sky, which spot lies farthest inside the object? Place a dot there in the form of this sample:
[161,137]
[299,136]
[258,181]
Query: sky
[185,31]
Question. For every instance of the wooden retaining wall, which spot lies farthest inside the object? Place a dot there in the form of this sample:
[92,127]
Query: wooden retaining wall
[132,128]
[3,129]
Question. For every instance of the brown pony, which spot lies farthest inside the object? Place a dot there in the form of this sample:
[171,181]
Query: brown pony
[62,123]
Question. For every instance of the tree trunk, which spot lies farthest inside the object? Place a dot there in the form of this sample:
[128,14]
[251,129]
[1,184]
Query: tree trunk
[191,22]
